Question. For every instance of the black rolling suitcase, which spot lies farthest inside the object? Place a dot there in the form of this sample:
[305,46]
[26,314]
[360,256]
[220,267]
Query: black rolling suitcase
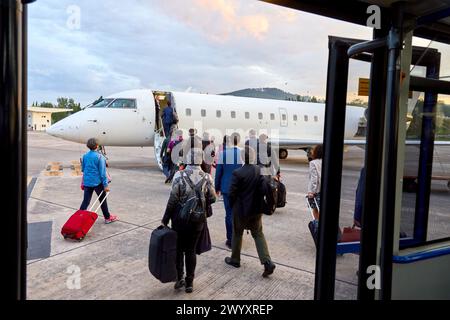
[162,254]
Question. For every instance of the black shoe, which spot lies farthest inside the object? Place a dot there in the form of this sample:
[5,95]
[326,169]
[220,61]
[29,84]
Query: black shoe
[231,263]
[228,244]
[189,286]
[269,267]
[179,284]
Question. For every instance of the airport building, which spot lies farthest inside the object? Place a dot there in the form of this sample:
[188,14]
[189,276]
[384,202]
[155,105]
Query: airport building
[39,119]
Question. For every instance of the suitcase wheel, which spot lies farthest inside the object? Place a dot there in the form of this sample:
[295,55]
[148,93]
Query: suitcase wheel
[80,239]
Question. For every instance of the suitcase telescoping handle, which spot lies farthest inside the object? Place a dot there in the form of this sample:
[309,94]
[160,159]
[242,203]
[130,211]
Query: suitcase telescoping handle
[100,204]
[309,206]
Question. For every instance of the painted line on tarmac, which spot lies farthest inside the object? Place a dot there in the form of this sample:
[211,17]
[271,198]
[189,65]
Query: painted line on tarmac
[85,245]
[75,209]
[145,226]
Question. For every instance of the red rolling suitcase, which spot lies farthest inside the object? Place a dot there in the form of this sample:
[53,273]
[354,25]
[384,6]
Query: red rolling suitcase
[81,222]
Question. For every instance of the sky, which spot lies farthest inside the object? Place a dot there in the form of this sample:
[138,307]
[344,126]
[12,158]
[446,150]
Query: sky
[84,49]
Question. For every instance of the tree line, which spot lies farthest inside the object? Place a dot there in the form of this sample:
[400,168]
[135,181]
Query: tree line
[63,103]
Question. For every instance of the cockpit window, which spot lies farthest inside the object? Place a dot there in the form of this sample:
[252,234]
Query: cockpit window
[123,104]
[101,103]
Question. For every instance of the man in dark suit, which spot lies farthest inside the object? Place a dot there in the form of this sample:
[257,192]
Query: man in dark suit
[229,160]
[246,201]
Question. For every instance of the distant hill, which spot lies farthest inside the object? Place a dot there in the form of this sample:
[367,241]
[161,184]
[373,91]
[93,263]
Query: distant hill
[269,93]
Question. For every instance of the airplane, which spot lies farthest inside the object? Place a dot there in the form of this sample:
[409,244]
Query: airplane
[131,118]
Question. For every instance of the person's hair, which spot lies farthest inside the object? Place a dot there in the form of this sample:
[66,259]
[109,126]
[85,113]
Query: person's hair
[317,152]
[252,132]
[92,144]
[226,140]
[235,138]
[192,131]
[169,103]
[249,155]
[263,137]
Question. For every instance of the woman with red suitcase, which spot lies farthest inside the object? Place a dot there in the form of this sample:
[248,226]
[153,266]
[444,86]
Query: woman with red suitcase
[95,178]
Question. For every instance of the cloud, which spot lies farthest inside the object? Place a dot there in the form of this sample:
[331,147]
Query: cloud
[210,46]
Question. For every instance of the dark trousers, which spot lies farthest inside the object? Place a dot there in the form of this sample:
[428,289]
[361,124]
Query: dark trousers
[228,216]
[167,126]
[253,223]
[88,196]
[186,244]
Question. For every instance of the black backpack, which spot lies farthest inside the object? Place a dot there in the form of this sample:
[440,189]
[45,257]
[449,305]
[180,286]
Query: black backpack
[269,192]
[281,200]
[194,208]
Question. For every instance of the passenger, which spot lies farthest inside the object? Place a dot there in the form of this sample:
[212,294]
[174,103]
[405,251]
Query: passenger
[168,118]
[193,141]
[246,202]
[252,140]
[165,154]
[174,162]
[229,160]
[209,153]
[315,170]
[95,178]
[188,234]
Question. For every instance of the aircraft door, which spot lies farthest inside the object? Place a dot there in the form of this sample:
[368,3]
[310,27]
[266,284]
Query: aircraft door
[283,117]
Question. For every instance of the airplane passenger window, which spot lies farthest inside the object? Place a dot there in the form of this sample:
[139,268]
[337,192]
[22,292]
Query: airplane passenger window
[247,115]
[295,117]
[188,112]
[233,114]
[103,103]
[203,112]
[260,116]
[123,104]
[218,113]
[272,116]
[283,116]
[306,118]
[316,118]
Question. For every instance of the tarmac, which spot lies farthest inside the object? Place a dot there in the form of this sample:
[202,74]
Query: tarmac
[112,261]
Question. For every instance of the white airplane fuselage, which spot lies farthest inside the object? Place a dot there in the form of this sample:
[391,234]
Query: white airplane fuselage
[295,124]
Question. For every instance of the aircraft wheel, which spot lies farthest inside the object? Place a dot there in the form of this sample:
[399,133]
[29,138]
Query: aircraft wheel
[283,154]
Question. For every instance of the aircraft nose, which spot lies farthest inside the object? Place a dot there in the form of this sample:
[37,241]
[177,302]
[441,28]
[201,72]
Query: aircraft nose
[55,130]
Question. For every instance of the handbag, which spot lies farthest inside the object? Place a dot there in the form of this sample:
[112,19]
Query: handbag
[204,241]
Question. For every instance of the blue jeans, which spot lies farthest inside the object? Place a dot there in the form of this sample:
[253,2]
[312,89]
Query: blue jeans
[228,216]
[88,196]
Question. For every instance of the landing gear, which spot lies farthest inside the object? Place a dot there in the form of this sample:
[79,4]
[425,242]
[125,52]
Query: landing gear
[283,154]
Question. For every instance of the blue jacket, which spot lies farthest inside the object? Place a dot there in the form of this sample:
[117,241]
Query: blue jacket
[94,169]
[229,160]
[167,116]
